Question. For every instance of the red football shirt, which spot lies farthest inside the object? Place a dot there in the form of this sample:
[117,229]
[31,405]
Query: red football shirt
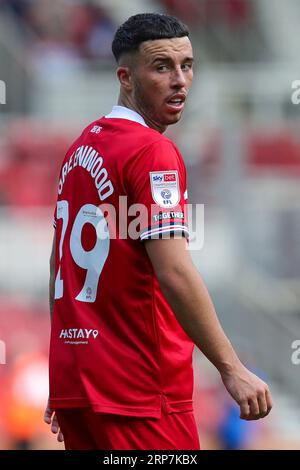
[116,345]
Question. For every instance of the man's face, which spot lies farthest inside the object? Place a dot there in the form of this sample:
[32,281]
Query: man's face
[162,77]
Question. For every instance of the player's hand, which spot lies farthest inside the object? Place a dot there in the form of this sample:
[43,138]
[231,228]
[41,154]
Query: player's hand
[51,418]
[251,393]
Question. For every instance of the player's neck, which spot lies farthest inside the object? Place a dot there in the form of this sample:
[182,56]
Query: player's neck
[124,101]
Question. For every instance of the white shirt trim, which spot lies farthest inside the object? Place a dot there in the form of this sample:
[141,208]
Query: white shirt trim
[121,112]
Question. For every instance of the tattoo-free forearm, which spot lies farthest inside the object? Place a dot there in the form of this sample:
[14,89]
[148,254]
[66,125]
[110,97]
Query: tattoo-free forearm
[191,303]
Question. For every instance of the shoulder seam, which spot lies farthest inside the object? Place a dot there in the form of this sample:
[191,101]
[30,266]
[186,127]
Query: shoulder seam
[150,144]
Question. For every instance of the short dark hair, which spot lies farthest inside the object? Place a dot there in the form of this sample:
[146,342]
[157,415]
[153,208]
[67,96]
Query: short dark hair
[145,27]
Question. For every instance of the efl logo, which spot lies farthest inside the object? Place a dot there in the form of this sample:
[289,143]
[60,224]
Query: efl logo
[169,177]
[2,92]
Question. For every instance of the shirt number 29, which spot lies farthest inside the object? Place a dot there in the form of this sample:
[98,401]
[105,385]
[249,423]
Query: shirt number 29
[92,261]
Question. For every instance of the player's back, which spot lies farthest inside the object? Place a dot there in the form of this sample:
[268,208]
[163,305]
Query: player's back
[115,342]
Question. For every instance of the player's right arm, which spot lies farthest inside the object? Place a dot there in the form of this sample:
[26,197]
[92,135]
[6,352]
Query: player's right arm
[190,301]
[52,277]
[49,415]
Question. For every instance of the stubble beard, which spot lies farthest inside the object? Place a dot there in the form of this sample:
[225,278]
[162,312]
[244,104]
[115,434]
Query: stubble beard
[146,107]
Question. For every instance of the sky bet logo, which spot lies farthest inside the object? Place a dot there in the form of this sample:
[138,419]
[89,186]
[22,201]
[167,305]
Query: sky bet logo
[157,179]
[170,177]
[164,178]
[2,92]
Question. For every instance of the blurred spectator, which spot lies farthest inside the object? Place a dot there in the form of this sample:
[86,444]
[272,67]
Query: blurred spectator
[188,11]
[24,378]
[26,389]
[30,162]
[91,30]
[231,12]
[71,30]
[234,433]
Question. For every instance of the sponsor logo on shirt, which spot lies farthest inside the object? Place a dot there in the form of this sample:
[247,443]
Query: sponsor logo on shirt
[165,188]
[170,177]
[157,178]
[80,335]
[165,177]
[96,130]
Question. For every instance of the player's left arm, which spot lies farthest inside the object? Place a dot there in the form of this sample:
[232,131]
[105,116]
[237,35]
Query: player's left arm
[190,301]
[50,415]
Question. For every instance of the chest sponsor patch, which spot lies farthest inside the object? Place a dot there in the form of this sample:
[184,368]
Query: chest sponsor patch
[165,188]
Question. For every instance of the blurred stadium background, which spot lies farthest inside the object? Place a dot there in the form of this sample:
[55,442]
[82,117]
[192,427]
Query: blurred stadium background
[240,140]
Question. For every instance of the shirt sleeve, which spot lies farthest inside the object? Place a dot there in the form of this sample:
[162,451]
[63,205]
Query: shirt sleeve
[156,180]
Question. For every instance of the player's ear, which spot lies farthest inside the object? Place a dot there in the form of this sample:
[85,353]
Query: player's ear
[124,74]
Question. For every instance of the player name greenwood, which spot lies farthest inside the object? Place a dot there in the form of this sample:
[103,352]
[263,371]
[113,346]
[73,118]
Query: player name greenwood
[88,158]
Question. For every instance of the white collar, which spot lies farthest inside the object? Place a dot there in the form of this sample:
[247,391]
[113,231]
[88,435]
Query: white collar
[121,112]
